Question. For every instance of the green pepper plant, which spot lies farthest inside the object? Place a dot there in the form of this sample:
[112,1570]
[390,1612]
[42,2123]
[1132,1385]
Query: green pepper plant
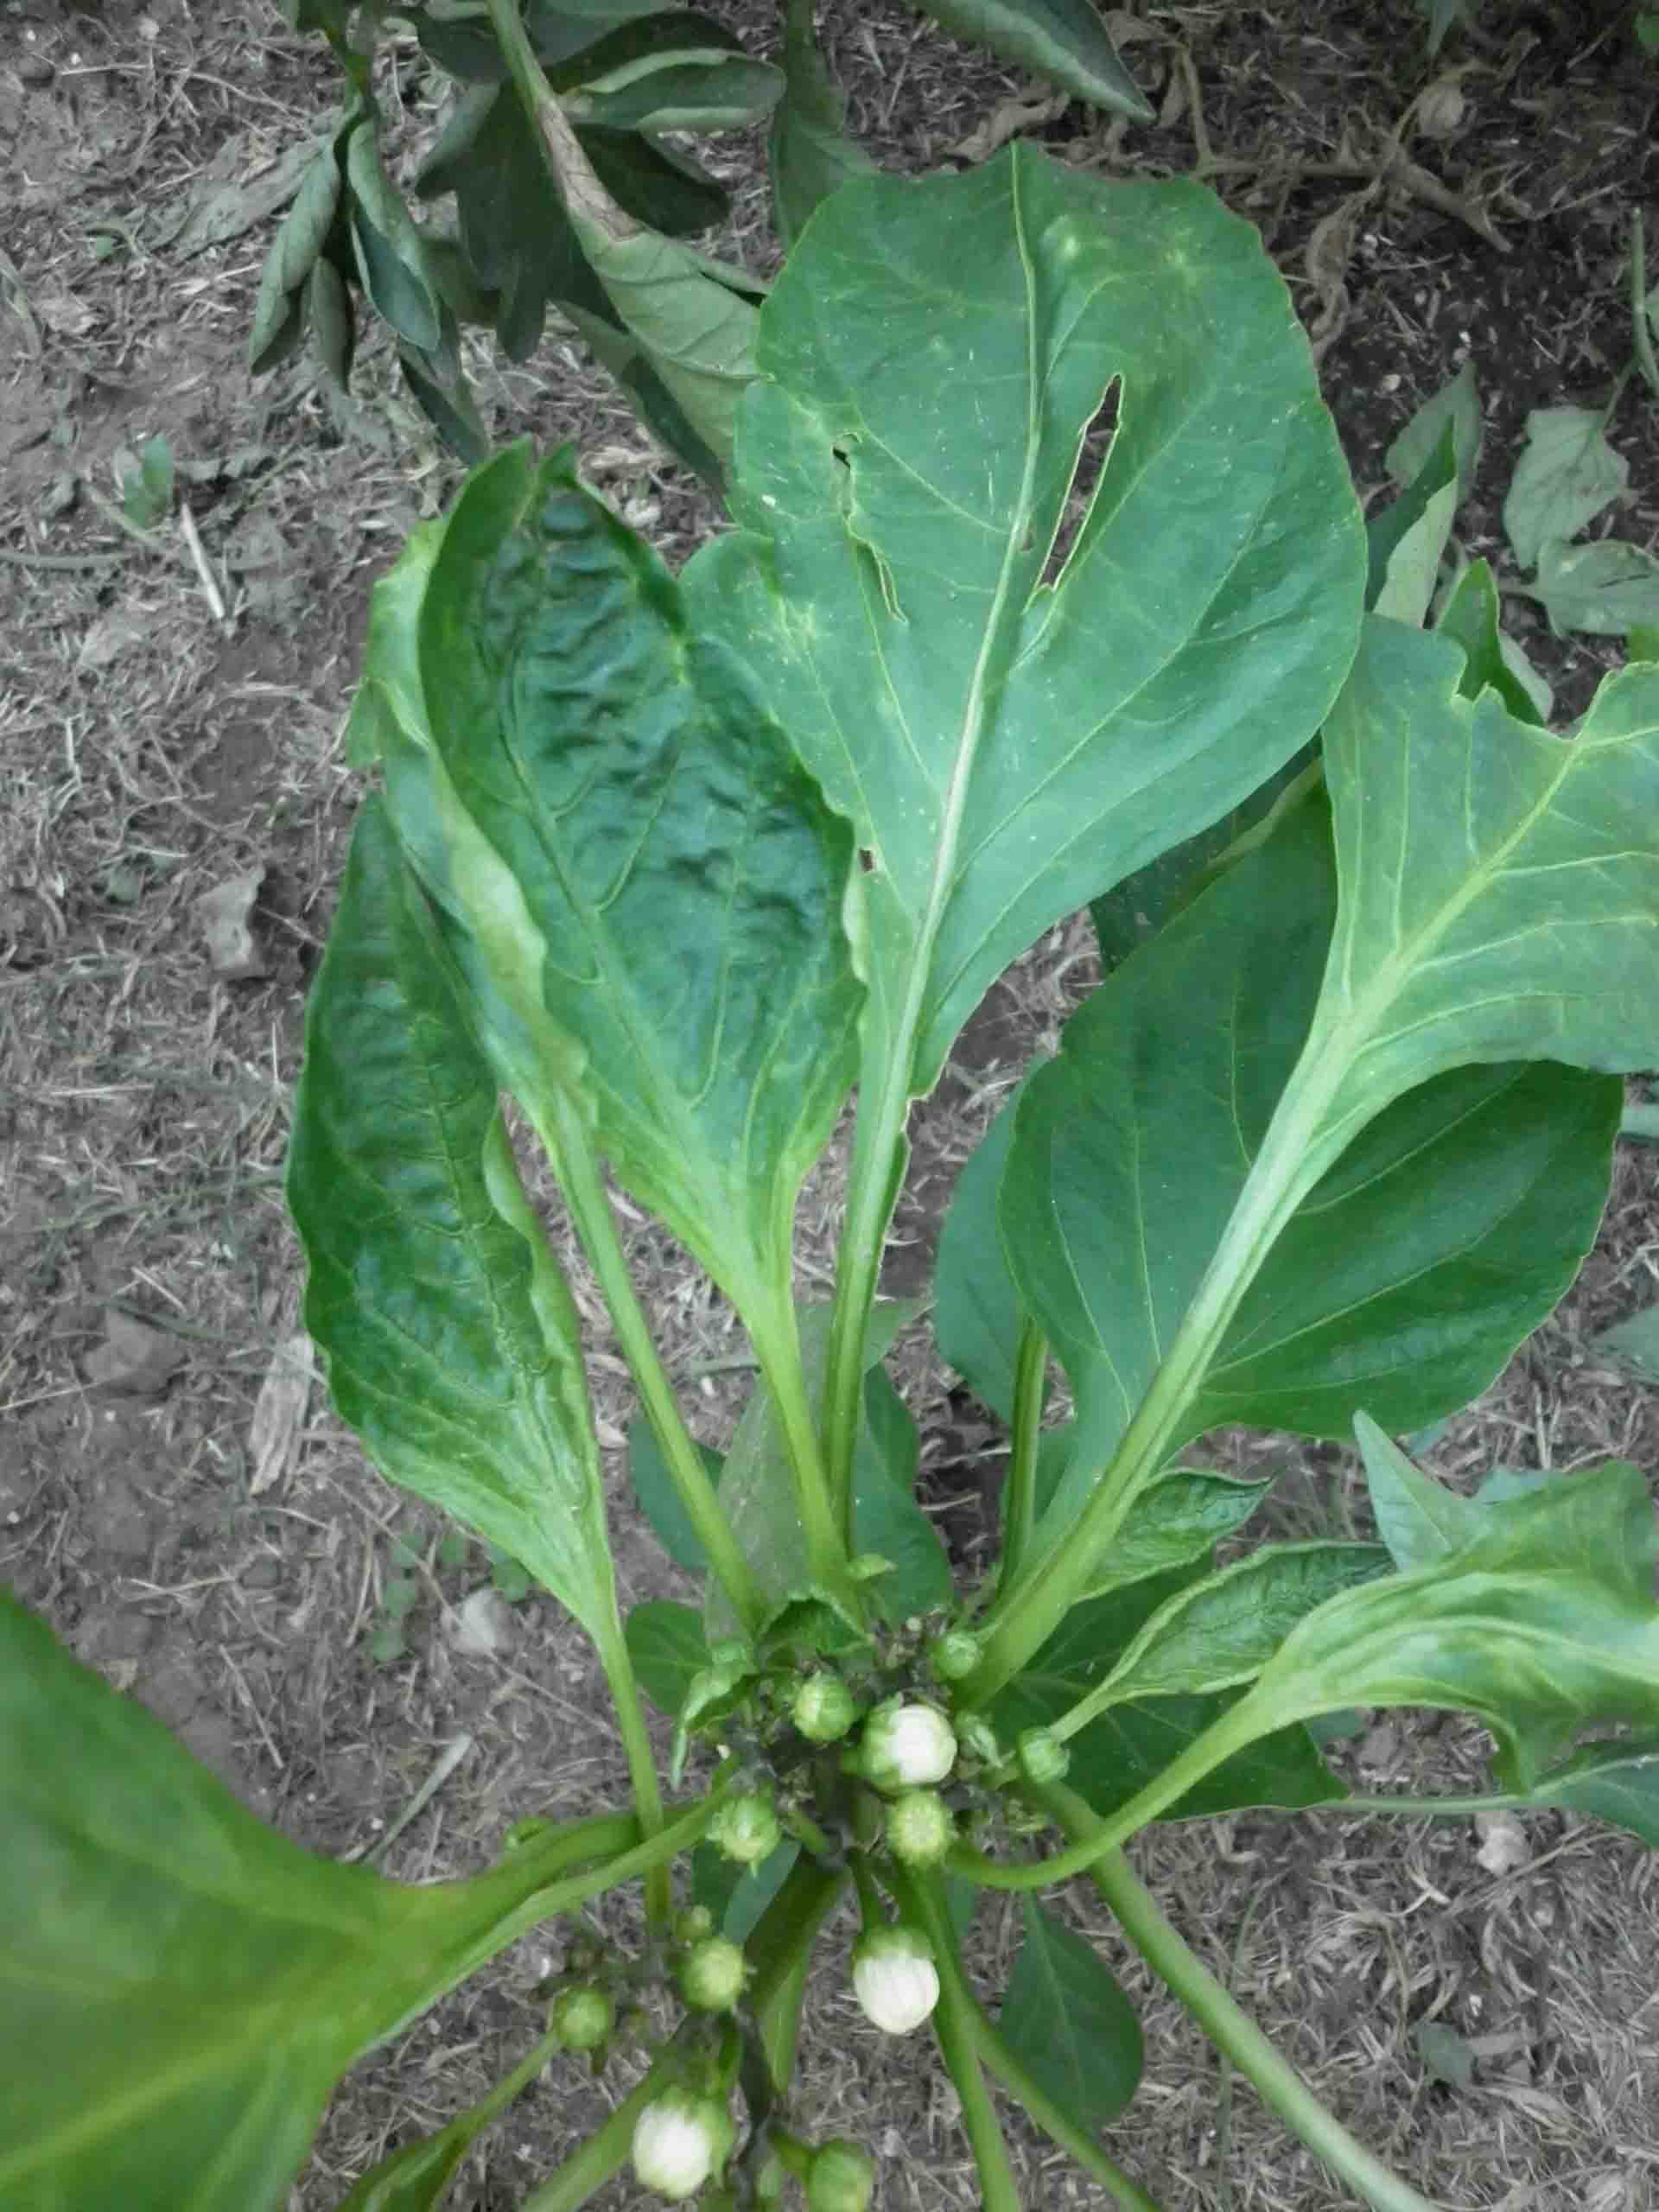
[679,865]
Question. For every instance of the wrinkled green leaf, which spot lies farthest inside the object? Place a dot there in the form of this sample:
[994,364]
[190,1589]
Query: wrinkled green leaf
[182,1986]
[666,1644]
[1605,589]
[1007,750]
[1408,1274]
[452,1345]
[1179,1516]
[1543,1624]
[684,876]
[1069,2023]
[1063,40]
[1470,615]
[1567,475]
[808,152]
[1419,1520]
[1456,403]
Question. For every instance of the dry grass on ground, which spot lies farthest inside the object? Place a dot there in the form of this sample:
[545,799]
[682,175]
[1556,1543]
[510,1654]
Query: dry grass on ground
[170,723]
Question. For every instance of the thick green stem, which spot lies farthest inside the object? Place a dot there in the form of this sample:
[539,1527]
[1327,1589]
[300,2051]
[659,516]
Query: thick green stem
[1016,2077]
[955,2027]
[1230,2028]
[571,1154]
[642,1762]
[876,1172]
[603,2154]
[1020,1508]
[1432,1808]
[1287,1168]
[827,1550]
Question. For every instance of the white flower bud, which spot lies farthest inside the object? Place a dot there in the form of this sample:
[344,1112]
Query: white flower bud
[745,1829]
[679,2140]
[907,1747]
[895,1980]
[712,1975]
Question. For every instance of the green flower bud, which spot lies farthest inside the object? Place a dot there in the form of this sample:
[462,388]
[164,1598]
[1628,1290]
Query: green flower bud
[842,2178]
[745,1829]
[582,2017]
[906,1746]
[692,1923]
[978,1737]
[712,1975]
[823,1710]
[956,1654]
[1043,1757]
[895,1979]
[920,1829]
[679,2140]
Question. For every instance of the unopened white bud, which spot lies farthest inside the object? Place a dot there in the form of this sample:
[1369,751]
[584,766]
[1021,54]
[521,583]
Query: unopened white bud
[679,2140]
[907,1747]
[895,1980]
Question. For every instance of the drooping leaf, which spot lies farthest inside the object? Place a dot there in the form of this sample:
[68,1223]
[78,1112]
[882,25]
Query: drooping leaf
[1567,475]
[1412,568]
[1006,750]
[448,404]
[1605,589]
[1064,40]
[1616,1781]
[1410,1272]
[737,1896]
[977,1313]
[659,1501]
[1457,403]
[1179,1517]
[810,153]
[1067,2019]
[278,318]
[182,1986]
[1470,615]
[1500,886]
[685,877]
[710,91]
[391,255]
[1419,1520]
[1544,1624]
[665,190]
[666,1644]
[451,1341]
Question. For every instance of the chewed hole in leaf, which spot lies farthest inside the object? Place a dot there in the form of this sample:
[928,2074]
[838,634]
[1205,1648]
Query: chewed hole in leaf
[843,456]
[1093,448]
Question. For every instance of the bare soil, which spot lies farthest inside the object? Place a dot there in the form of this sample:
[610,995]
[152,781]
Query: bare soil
[170,724]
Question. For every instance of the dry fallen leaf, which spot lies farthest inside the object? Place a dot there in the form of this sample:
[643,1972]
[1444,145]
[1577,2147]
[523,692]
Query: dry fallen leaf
[279,1412]
[224,915]
[1503,1843]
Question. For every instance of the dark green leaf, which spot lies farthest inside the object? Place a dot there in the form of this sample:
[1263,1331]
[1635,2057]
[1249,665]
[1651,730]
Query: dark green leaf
[663,190]
[1179,1517]
[887,1517]
[278,318]
[660,1502]
[645,41]
[1408,1274]
[728,92]
[685,877]
[1063,40]
[390,254]
[810,153]
[977,1315]
[666,1644]
[452,1344]
[309,220]
[331,318]
[181,1986]
[1006,750]
[448,405]
[1470,615]
[1069,2023]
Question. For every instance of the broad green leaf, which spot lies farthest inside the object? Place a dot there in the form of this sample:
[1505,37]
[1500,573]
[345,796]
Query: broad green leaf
[666,191]
[452,1344]
[1390,527]
[977,1315]
[1130,1745]
[1414,566]
[724,92]
[810,153]
[888,1520]
[1616,1781]
[1500,887]
[1606,589]
[1419,1520]
[182,1986]
[1633,1342]
[666,1644]
[1006,749]
[1063,40]
[1457,403]
[1567,475]
[1410,1272]
[1069,2023]
[1470,615]
[1179,1516]
[1545,1623]
[448,404]
[633,49]
[684,876]
[391,255]
[757,1490]
[1222,1631]
[659,1501]
[737,1896]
